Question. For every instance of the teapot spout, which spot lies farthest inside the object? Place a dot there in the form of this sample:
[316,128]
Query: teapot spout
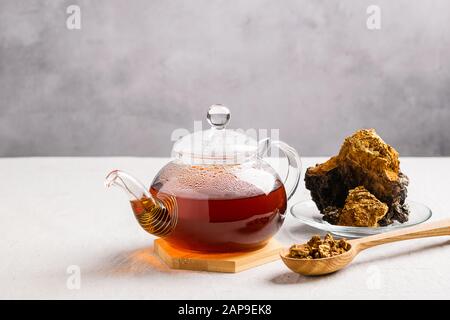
[157,216]
[132,187]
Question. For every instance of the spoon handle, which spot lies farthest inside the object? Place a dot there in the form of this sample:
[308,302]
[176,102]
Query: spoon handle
[433,229]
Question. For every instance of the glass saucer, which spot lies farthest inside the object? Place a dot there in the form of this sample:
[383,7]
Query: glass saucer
[307,212]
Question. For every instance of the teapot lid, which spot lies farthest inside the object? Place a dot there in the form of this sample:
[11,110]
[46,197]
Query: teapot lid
[217,144]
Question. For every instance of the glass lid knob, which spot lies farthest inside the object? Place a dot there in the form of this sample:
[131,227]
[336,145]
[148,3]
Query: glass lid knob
[218,116]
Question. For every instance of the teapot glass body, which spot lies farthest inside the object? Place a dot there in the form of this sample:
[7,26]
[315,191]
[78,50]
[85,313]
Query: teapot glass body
[222,207]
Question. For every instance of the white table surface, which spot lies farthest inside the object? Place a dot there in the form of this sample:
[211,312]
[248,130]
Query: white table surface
[55,213]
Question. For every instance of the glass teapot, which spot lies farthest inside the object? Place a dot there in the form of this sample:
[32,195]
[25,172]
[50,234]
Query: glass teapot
[217,194]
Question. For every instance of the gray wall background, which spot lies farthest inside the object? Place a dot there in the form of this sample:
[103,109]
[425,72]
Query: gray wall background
[139,69]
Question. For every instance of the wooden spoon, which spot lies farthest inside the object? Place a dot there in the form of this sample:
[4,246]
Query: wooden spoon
[311,267]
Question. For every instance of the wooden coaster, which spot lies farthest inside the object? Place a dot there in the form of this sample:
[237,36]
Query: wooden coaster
[217,262]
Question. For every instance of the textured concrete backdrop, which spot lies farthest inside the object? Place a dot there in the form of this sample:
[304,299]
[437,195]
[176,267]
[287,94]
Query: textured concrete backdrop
[139,69]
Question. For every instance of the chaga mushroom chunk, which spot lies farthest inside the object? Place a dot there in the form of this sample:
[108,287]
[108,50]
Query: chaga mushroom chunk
[362,209]
[326,184]
[363,160]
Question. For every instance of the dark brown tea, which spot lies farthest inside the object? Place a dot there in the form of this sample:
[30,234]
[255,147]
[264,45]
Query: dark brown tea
[220,209]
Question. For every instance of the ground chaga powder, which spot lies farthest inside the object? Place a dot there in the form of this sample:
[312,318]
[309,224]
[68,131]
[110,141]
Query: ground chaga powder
[317,248]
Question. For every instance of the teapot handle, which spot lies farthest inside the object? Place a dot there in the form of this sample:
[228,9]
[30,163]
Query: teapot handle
[294,163]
